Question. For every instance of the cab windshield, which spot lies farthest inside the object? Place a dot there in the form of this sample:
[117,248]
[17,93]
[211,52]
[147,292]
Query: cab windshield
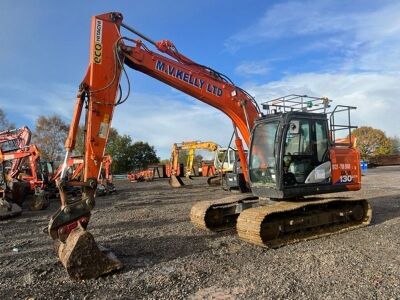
[262,163]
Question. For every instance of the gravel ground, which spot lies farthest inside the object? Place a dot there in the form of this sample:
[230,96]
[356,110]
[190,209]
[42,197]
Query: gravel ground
[165,257]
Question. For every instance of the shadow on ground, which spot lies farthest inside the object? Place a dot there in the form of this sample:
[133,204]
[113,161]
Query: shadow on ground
[384,208]
[137,252]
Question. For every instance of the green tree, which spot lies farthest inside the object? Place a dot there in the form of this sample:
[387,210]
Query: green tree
[183,156]
[119,149]
[141,154]
[372,142]
[50,135]
[113,135]
[4,123]
[126,155]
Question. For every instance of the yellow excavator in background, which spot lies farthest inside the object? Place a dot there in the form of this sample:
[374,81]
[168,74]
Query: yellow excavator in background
[223,162]
[191,147]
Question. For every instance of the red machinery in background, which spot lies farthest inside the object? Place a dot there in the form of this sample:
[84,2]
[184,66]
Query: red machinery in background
[74,168]
[13,189]
[106,185]
[32,175]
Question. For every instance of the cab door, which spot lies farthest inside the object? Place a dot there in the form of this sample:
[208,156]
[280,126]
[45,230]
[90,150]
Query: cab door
[305,152]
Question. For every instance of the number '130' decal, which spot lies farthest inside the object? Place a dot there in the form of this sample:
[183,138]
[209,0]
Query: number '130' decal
[346,178]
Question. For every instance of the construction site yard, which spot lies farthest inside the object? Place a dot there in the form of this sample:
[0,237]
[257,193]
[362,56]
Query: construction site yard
[147,226]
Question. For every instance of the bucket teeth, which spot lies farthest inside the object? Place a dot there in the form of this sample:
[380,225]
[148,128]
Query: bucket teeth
[82,258]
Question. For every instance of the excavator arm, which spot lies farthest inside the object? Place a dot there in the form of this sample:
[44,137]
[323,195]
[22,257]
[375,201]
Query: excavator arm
[100,93]
[196,80]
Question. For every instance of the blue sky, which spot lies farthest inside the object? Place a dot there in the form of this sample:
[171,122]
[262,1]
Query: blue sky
[346,50]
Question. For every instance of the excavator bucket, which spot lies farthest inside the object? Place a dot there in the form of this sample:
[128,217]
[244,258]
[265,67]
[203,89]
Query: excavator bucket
[9,210]
[175,181]
[82,258]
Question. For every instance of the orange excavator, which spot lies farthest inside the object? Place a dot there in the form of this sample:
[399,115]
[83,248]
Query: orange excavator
[35,179]
[73,171]
[292,153]
[15,138]
[12,140]
[15,148]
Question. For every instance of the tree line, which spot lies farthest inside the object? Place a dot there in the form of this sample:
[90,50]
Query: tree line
[372,142]
[50,133]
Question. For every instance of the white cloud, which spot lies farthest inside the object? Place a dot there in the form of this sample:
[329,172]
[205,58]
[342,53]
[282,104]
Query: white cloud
[159,120]
[361,47]
[301,18]
[21,99]
[252,68]
[367,39]
[375,95]
[162,121]
[290,19]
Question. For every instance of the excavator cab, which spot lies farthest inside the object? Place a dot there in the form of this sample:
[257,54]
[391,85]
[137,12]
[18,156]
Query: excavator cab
[290,155]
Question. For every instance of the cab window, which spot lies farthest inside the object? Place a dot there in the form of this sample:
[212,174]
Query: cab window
[298,138]
[262,154]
